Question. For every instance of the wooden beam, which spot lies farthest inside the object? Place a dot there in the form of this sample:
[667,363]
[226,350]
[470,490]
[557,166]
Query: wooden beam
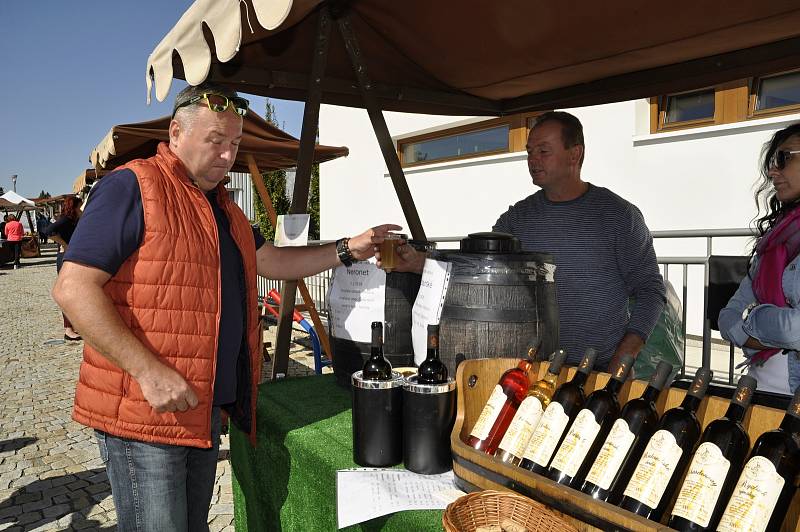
[308,138]
[263,193]
[381,130]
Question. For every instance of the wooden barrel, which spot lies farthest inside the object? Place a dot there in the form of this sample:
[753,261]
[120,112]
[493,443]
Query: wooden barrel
[349,356]
[500,300]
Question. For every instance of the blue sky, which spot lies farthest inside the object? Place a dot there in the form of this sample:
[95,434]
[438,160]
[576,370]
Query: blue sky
[72,69]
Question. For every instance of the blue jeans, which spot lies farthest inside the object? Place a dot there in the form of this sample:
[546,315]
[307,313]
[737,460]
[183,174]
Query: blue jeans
[159,487]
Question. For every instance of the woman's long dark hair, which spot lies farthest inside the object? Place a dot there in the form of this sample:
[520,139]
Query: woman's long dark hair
[71,206]
[766,200]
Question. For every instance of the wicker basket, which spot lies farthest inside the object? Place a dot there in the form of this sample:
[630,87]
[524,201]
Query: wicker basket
[488,507]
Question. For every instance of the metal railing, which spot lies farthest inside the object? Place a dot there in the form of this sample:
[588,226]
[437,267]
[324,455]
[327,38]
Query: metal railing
[318,287]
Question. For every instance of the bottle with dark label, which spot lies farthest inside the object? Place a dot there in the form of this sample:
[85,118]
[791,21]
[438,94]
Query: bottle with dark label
[377,368]
[432,370]
[715,466]
[590,428]
[503,403]
[625,443]
[667,454]
[530,411]
[761,497]
[563,408]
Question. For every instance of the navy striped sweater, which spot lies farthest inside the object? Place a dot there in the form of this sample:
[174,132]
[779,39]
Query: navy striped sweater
[604,253]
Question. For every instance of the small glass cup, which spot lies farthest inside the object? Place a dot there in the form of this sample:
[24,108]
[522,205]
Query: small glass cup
[388,250]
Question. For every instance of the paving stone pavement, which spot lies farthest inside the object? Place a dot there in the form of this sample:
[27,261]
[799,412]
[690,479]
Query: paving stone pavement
[51,474]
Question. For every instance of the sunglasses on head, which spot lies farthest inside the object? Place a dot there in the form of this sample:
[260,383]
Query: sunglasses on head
[217,103]
[781,158]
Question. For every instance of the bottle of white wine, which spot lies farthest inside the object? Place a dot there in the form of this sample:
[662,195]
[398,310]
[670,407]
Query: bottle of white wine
[667,454]
[761,497]
[624,445]
[715,466]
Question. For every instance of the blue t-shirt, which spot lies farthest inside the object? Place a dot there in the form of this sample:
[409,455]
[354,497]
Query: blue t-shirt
[112,228]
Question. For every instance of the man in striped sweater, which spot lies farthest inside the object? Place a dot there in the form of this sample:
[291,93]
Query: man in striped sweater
[603,250]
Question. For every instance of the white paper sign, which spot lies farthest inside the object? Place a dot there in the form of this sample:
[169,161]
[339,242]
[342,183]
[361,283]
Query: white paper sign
[364,494]
[357,297]
[428,305]
[292,230]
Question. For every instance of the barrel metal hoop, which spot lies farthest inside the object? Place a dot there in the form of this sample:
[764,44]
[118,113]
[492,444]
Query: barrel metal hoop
[489,314]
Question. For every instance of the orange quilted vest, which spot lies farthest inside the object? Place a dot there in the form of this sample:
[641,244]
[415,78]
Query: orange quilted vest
[168,294]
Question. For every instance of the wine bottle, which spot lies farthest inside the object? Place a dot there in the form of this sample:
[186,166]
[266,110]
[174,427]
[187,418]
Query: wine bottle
[761,497]
[667,453]
[530,411]
[377,368]
[563,408]
[506,397]
[432,370]
[625,443]
[590,428]
[715,466]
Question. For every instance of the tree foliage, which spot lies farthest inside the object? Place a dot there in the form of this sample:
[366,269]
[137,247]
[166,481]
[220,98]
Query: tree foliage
[275,183]
[43,194]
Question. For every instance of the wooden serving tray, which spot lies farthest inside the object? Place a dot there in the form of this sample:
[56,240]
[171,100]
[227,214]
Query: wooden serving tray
[476,470]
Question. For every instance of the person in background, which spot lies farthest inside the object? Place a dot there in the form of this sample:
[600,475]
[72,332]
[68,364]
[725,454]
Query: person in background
[602,248]
[3,226]
[160,279]
[14,233]
[61,232]
[41,226]
[763,316]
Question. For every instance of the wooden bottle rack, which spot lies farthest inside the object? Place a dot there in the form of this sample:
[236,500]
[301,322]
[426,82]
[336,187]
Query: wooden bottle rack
[476,470]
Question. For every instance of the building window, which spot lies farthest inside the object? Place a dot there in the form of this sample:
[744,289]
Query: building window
[735,101]
[487,137]
[453,146]
[779,93]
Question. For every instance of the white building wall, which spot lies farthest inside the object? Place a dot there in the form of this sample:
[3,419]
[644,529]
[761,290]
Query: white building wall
[699,178]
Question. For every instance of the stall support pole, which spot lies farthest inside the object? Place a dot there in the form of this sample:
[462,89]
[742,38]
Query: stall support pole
[381,130]
[263,193]
[302,181]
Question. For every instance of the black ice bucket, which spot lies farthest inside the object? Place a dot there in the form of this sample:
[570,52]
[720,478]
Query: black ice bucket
[377,421]
[429,411]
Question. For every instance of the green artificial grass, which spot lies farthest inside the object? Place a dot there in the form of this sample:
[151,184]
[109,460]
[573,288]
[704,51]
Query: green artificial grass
[288,482]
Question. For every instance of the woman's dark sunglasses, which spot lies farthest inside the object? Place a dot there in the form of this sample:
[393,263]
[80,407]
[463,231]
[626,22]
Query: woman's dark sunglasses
[781,158]
[217,103]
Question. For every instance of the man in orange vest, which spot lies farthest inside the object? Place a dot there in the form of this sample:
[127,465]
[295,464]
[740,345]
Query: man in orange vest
[160,278]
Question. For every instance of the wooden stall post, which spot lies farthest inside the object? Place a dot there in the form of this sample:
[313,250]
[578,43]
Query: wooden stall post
[263,193]
[302,181]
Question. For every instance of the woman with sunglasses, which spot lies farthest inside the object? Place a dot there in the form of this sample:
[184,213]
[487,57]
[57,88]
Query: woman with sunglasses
[61,232]
[763,317]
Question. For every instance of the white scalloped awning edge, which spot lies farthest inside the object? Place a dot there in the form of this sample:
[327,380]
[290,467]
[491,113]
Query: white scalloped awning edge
[103,151]
[223,18]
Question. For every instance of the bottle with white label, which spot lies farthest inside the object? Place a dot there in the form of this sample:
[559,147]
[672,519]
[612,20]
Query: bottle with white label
[529,412]
[761,497]
[565,405]
[625,444]
[667,454]
[590,428]
[715,466]
[503,403]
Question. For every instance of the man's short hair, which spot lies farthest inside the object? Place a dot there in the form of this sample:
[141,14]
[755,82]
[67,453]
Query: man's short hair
[193,91]
[571,128]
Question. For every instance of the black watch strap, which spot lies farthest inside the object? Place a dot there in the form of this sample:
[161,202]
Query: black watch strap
[343,250]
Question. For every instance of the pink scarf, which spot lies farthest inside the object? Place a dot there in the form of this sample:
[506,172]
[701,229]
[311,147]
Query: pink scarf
[776,250]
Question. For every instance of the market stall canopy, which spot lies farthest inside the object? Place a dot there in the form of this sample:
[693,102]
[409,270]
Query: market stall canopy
[7,206]
[15,199]
[474,57]
[87,177]
[271,147]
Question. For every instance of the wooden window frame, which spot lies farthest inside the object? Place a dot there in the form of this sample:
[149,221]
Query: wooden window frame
[517,137]
[734,101]
[754,113]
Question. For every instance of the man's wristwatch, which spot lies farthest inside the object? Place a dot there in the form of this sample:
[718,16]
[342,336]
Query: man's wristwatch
[343,250]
